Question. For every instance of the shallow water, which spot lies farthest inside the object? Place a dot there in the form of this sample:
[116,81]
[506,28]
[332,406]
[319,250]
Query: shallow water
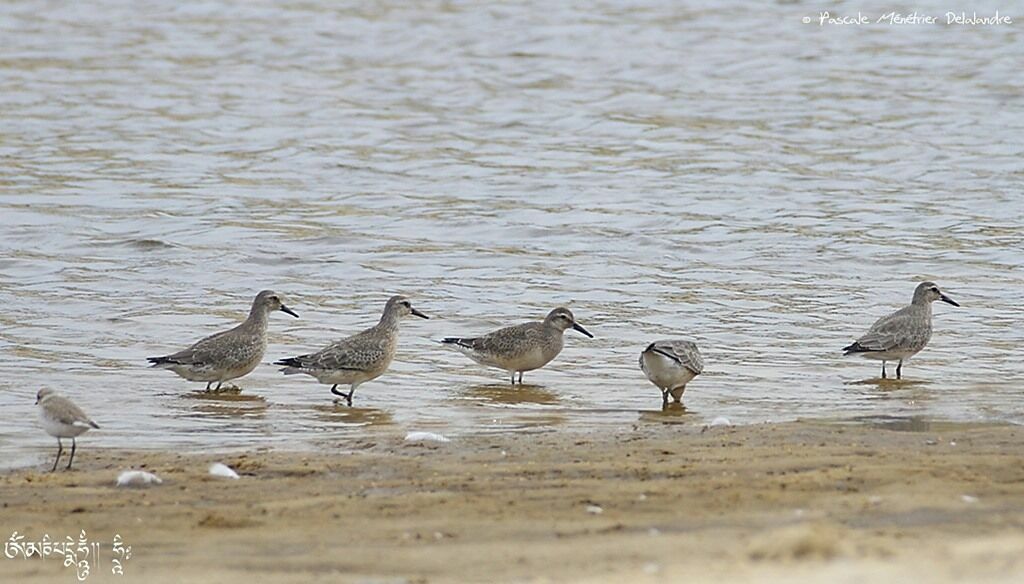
[765,187]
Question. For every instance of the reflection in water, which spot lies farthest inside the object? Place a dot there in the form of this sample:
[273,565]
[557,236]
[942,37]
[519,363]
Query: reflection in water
[675,409]
[525,422]
[891,384]
[507,394]
[913,395]
[338,413]
[224,394]
[672,413]
[530,403]
[227,404]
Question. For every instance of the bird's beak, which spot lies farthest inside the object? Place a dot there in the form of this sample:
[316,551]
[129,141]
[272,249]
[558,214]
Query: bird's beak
[947,299]
[418,313]
[287,310]
[576,326]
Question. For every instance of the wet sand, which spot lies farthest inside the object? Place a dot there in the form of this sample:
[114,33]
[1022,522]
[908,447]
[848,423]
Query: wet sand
[811,502]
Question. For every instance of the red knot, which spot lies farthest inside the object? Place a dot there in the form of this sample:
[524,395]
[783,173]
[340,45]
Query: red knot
[520,348]
[670,365]
[902,334]
[356,359]
[230,354]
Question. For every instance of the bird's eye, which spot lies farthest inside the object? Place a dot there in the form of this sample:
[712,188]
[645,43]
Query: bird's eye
[407,304]
[935,289]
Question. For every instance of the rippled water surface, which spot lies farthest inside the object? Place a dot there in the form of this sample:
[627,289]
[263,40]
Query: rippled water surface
[764,187]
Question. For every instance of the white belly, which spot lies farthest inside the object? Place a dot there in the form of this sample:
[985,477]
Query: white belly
[342,377]
[666,373]
[889,355]
[55,428]
[528,361]
[211,374]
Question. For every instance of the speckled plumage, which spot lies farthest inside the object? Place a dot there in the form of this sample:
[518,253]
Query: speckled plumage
[61,418]
[357,359]
[902,334]
[670,365]
[229,354]
[519,348]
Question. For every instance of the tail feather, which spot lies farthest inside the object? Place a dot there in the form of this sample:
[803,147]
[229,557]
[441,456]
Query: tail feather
[290,366]
[855,347]
[289,362]
[162,362]
[458,341]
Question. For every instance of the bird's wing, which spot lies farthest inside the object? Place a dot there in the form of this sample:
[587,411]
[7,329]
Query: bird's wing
[209,349]
[894,331]
[683,352]
[361,352]
[66,412]
[502,340]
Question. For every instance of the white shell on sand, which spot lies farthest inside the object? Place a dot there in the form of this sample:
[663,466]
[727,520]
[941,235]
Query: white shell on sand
[426,437]
[137,478]
[219,469]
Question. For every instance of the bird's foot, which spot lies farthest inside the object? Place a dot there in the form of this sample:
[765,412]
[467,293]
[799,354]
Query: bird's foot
[231,388]
[346,396]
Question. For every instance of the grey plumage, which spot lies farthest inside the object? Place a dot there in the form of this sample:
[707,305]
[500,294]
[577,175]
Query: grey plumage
[902,334]
[229,354]
[357,359]
[520,348]
[670,364]
[61,418]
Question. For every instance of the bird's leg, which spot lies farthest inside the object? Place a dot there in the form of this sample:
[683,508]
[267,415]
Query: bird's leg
[883,369]
[513,378]
[899,368]
[347,396]
[219,383]
[60,448]
[664,399]
[208,384]
[72,459]
[520,378]
[351,394]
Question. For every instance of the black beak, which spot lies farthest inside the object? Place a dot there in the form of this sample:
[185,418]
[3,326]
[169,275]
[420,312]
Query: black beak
[417,313]
[947,299]
[287,310]
[576,326]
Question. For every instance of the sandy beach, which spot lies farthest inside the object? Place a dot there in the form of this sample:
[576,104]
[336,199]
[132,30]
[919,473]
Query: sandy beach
[776,502]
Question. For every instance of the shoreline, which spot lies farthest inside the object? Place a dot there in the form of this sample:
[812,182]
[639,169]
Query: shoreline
[40,454]
[797,501]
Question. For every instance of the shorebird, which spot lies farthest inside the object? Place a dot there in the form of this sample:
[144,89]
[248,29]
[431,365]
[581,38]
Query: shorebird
[520,348]
[61,418]
[902,334]
[230,354]
[356,359]
[670,365]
